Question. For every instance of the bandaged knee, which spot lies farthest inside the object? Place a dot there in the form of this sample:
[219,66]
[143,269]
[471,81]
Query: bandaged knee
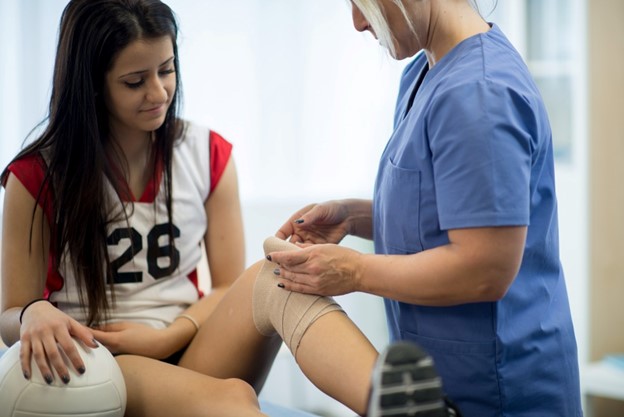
[287,313]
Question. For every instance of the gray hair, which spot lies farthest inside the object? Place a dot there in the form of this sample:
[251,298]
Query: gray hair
[373,12]
[375,15]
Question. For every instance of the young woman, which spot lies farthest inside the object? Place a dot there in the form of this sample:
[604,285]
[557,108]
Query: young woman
[104,218]
[463,217]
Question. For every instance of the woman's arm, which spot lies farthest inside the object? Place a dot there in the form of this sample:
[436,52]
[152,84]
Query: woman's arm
[224,240]
[24,256]
[476,265]
[25,245]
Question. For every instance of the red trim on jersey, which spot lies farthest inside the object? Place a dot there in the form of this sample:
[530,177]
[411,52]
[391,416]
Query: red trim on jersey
[193,277]
[220,151]
[30,171]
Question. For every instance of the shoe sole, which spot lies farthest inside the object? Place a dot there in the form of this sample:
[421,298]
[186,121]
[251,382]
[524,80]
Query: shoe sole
[406,384]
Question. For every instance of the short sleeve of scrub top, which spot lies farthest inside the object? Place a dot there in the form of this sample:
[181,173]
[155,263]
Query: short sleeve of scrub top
[481,155]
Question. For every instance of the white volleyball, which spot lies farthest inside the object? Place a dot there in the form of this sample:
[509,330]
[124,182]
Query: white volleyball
[99,392]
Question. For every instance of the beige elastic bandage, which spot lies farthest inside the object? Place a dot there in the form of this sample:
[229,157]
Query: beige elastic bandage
[288,313]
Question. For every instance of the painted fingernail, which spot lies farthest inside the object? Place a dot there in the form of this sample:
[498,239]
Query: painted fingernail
[81,370]
[281,285]
[26,375]
[48,379]
[65,379]
[276,271]
[299,221]
[269,258]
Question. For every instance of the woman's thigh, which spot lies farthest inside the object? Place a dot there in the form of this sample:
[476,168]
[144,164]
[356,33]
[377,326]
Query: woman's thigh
[158,389]
[228,345]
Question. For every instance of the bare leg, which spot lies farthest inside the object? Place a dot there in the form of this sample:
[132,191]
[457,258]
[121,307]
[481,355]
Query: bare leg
[158,389]
[333,353]
[338,359]
[228,345]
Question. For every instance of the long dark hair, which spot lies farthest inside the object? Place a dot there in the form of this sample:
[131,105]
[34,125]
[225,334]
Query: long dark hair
[92,33]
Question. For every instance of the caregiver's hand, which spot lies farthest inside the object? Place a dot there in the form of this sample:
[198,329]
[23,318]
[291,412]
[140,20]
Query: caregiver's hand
[327,222]
[325,269]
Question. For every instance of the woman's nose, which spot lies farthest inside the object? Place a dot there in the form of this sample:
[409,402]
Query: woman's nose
[156,92]
[359,21]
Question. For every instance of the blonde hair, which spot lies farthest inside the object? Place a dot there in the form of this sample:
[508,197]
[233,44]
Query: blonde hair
[375,15]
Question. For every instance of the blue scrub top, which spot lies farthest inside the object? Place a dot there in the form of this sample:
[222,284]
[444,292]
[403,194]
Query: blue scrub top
[474,149]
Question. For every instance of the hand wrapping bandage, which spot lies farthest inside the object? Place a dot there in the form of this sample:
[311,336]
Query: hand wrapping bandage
[288,313]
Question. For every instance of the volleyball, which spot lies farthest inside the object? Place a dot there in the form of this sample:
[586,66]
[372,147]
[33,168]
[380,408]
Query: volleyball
[99,392]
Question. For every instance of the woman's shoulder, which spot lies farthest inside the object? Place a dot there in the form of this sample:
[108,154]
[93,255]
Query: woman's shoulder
[29,169]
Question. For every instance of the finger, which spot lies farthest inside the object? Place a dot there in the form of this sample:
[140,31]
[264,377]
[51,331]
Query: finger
[41,360]
[55,359]
[287,275]
[107,339]
[310,216]
[84,335]
[295,286]
[289,258]
[101,336]
[71,351]
[293,278]
[288,228]
[25,356]
[285,231]
[113,327]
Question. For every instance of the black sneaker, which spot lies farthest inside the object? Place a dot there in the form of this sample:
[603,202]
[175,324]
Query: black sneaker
[405,383]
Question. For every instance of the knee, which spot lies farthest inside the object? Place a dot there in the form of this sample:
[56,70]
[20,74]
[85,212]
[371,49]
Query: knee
[230,397]
[240,392]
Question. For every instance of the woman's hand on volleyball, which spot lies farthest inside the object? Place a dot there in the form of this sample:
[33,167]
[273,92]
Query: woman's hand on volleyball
[46,336]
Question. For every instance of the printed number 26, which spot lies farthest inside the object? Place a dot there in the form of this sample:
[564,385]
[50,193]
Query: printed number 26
[154,252]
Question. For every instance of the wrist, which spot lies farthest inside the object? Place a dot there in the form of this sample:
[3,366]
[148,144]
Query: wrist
[190,319]
[360,272]
[21,315]
[359,215]
[183,329]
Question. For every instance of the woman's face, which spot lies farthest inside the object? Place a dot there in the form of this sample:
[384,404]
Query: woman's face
[406,42]
[140,86]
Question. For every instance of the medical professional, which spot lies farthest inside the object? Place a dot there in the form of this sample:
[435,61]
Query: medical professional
[463,217]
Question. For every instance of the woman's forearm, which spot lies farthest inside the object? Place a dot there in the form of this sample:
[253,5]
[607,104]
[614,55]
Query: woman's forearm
[10,326]
[478,265]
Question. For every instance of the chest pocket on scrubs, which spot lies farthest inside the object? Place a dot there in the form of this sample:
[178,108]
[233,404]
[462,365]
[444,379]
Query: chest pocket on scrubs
[398,202]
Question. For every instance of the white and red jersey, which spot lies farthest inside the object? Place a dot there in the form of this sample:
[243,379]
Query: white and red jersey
[154,281]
